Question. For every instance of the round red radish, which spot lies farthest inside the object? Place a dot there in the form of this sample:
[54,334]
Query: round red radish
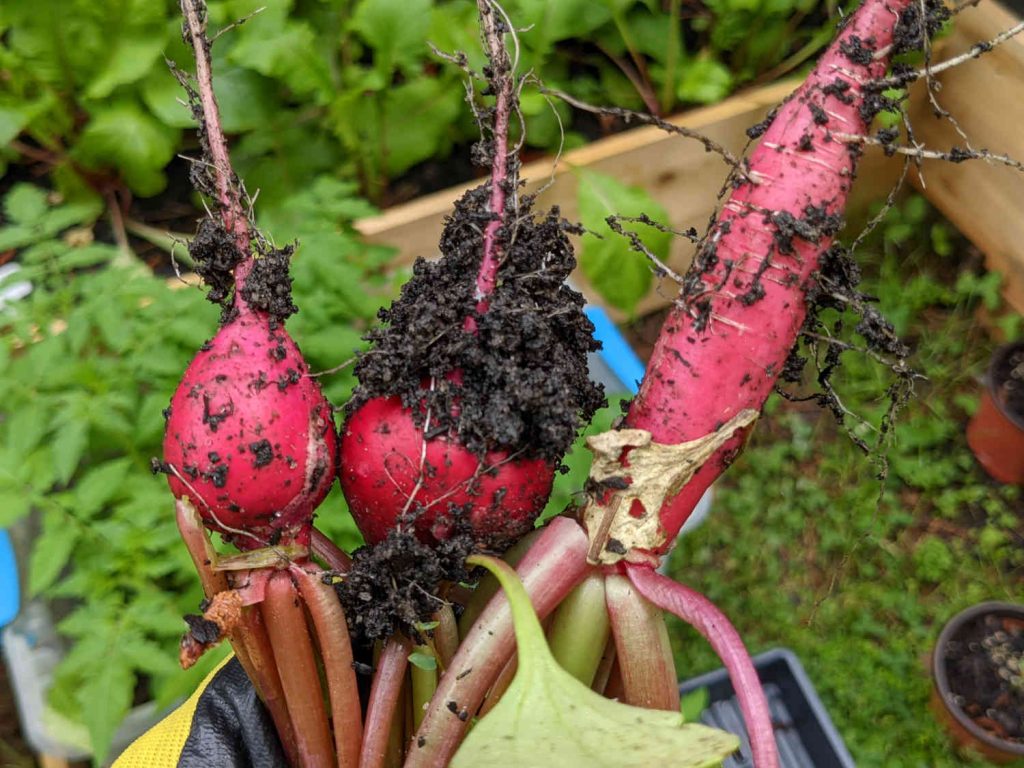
[250,438]
[388,477]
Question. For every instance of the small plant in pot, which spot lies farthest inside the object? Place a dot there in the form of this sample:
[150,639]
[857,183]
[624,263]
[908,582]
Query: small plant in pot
[978,669]
[996,433]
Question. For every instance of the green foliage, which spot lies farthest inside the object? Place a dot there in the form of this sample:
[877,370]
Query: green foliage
[806,549]
[351,87]
[87,363]
[619,273]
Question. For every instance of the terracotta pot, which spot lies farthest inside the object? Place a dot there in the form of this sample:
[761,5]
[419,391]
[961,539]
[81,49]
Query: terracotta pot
[996,432]
[965,732]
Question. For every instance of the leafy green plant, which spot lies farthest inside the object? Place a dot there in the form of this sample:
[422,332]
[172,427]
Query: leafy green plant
[88,362]
[332,87]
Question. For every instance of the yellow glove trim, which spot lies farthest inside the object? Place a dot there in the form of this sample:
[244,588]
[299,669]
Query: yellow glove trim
[161,745]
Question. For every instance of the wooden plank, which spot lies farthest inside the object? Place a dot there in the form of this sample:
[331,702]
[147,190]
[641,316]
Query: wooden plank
[677,172]
[986,96]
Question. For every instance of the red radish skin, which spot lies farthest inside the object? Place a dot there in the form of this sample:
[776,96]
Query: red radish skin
[713,361]
[250,437]
[503,496]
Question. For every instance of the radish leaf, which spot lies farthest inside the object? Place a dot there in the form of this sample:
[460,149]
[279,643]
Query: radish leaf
[547,717]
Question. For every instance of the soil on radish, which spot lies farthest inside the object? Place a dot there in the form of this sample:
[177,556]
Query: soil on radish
[522,383]
[393,585]
[984,668]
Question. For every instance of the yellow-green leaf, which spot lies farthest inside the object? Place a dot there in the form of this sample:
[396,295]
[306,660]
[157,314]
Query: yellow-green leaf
[547,717]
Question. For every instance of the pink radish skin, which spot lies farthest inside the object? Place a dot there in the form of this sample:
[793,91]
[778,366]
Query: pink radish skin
[250,437]
[504,497]
[699,378]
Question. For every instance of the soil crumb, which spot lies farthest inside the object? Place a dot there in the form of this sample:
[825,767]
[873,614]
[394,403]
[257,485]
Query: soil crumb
[393,585]
[519,382]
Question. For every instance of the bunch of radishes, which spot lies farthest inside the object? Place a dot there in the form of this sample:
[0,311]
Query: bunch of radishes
[473,391]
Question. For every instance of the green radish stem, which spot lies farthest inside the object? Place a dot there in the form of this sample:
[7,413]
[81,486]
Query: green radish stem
[383,710]
[553,566]
[249,638]
[424,683]
[285,619]
[642,647]
[579,629]
[336,651]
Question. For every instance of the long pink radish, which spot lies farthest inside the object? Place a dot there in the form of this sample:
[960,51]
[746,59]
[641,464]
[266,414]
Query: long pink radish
[722,348]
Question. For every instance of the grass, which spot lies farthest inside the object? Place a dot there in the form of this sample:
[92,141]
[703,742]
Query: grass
[805,547]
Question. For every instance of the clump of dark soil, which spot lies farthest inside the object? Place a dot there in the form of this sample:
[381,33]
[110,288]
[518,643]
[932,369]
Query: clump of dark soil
[519,381]
[985,669]
[393,585]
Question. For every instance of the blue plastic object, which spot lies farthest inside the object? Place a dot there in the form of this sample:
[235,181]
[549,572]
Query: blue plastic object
[615,350]
[9,591]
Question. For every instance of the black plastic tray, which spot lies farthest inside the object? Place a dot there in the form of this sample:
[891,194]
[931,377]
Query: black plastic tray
[803,730]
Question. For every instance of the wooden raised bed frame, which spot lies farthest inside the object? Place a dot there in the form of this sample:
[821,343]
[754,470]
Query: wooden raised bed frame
[980,199]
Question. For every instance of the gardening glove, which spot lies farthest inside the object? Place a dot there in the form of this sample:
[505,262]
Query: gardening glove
[223,724]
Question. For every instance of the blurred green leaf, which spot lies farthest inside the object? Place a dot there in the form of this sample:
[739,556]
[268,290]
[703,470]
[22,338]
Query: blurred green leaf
[394,29]
[50,550]
[124,137]
[621,275]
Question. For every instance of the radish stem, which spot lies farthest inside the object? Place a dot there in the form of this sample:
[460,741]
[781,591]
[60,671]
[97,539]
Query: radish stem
[382,709]
[501,685]
[642,648]
[329,552]
[249,638]
[604,667]
[700,613]
[283,613]
[579,629]
[552,567]
[446,636]
[424,683]
[336,652]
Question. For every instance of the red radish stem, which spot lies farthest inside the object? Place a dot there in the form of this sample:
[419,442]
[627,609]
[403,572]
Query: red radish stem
[699,612]
[296,661]
[329,552]
[501,685]
[549,571]
[742,305]
[446,636]
[249,639]
[336,652]
[642,648]
[384,699]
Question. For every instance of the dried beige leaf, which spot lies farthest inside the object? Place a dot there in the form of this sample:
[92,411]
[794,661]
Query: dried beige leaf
[656,472]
